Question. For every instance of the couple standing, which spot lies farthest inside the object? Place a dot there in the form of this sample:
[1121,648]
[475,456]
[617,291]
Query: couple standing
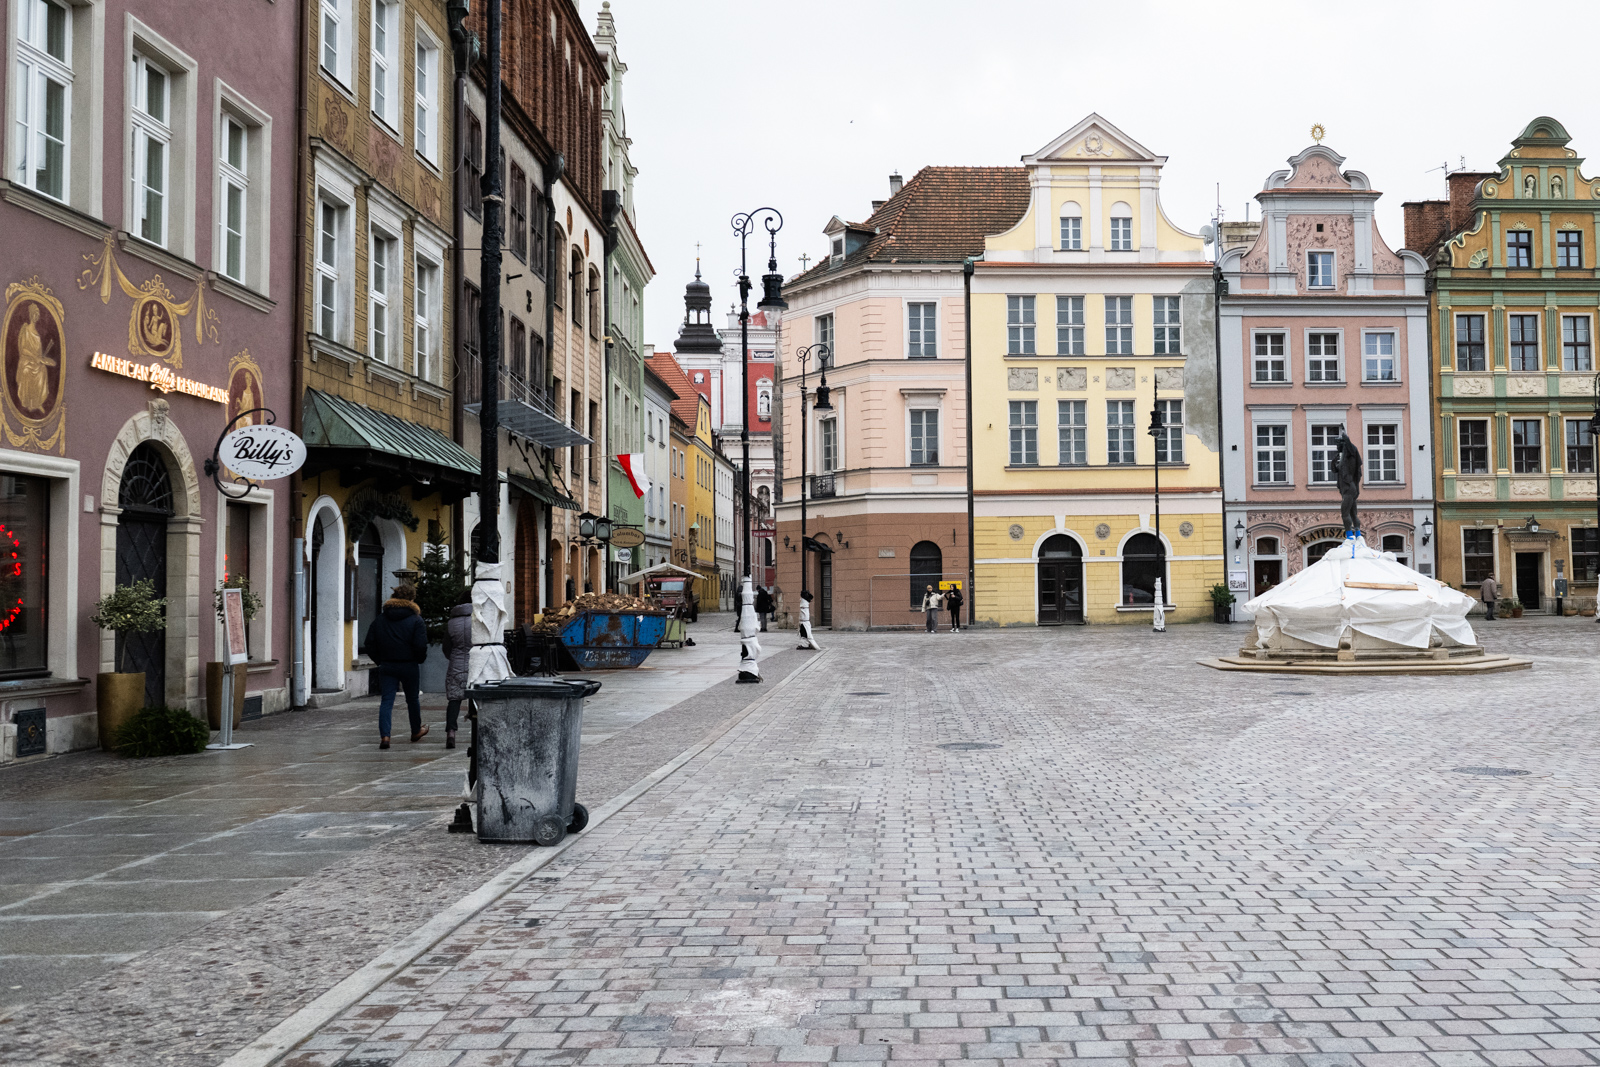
[933,602]
[397,641]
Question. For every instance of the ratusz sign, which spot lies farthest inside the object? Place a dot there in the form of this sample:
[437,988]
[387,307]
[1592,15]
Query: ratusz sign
[262,452]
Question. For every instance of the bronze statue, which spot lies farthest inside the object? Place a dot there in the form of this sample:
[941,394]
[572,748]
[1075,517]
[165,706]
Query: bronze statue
[1347,471]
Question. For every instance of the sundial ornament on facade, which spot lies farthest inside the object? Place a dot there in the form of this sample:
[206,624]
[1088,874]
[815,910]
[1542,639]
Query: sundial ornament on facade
[153,326]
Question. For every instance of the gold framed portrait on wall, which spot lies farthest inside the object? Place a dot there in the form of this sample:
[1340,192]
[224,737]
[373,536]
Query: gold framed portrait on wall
[32,350]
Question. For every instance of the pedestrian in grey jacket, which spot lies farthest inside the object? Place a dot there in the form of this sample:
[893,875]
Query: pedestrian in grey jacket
[457,649]
[932,604]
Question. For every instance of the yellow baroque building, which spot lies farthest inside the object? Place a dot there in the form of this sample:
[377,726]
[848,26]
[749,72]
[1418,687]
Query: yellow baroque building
[1090,317]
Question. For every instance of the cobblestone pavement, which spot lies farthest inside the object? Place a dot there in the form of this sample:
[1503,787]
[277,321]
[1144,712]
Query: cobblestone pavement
[1038,846]
[168,911]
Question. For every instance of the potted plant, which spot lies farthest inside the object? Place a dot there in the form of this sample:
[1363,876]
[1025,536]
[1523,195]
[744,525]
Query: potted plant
[129,609]
[214,669]
[1221,603]
[1511,607]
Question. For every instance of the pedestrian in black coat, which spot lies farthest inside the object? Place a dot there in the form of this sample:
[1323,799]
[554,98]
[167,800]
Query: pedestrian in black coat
[397,641]
[763,606]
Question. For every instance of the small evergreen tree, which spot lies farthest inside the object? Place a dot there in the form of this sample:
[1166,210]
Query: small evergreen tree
[441,583]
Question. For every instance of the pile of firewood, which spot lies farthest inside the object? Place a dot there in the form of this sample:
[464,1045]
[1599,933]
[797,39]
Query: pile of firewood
[609,603]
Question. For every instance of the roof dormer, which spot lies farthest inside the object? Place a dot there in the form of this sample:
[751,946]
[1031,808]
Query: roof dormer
[846,238]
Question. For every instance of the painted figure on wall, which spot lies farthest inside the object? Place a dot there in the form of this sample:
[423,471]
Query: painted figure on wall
[33,365]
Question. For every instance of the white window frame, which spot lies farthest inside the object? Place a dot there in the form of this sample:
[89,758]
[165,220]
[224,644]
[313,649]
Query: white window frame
[1070,330]
[828,444]
[384,81]
[1488,446]
[383,305]
[1526,315]
[1271,450]
[425,317]
[1022,424]
[1257,358]
[1070,229]
[1126,429]
[1072,433]
[1021,325]
[929,409]
[341,13]
[87,56]
[233,198]
[1168,331]
[151,133]
[336,189]
[430,250]
[1337,333]
[922,329]
[1538,428]
[426,86]
[1367,339]
[1126,234]
[1172,439]
[1332,281]
[1382,455]
[1588,342]
[231,107]
[144,48]
[1120,342]
[824,334]
[1324,451]
[33,67]
[1486,342]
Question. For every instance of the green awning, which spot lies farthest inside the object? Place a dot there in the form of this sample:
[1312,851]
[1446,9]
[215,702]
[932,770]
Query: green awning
[332,422]
[540,489]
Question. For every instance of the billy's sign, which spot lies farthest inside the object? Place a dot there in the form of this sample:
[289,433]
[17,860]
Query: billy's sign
[262,452]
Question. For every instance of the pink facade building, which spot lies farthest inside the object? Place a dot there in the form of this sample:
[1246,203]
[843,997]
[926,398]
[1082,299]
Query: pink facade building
[1324,330]
[147,213]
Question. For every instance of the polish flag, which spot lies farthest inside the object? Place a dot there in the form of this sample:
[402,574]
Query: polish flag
[633,467]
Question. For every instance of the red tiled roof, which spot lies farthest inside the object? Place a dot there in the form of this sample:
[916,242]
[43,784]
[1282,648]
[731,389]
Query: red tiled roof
[941,214]
[686,408]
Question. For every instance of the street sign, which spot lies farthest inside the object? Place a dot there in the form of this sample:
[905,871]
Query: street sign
[945,586]
[262,452]
[626,537]
[622,555]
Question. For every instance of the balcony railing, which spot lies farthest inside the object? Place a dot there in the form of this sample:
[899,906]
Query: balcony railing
[821,486]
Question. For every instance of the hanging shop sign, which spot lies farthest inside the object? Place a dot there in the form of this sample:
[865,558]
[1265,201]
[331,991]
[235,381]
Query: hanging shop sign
[627,537]
[262,453]
[160,376]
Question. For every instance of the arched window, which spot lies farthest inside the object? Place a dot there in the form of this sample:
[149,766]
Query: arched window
[556,245]
[927,565]
[1142,563]
[1266,546]
[1071,226]
[1315,553]
[1121,228]
[594,303]
[576,278]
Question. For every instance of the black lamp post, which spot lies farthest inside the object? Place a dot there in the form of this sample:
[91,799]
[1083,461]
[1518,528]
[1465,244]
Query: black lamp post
[822,404]
[773,304]
[1158,432]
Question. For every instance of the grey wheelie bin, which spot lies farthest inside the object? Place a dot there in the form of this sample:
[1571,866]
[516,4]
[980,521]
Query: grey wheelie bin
[526,742]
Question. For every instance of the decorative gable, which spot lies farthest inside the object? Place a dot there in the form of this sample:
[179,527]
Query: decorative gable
[1093,139]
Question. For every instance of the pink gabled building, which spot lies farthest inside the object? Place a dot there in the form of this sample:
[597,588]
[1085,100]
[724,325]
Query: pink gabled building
[1324,328]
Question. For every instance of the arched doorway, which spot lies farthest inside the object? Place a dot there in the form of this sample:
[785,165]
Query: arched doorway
[369,582]
[145,497]
[1060,581]
[1268,564]
[927,566]
[327,598]
[1143,562]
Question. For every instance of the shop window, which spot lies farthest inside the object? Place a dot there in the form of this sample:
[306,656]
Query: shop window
[1477,556]
[1142,564]
[24,574]
[1266,546]
[1585,553]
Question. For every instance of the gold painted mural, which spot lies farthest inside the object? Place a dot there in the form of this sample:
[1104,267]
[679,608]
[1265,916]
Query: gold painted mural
[153,326]
[32,335]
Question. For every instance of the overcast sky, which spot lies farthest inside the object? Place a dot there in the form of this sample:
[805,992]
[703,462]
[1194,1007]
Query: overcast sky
[808,105]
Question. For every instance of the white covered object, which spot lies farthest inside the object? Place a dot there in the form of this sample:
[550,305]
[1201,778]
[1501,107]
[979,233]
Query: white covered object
[1318,605]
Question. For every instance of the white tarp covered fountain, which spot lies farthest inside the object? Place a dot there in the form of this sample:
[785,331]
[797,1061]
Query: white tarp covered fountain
[1361,603]
[1363,612]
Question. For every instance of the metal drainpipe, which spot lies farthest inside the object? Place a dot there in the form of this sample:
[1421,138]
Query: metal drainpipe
[968,266]
[552,174]
[458,268]
[609,244]
[1219,288]
[297,668]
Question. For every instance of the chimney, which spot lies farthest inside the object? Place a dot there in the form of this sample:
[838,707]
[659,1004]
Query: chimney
[876,204]
[1463,183]
[894,183]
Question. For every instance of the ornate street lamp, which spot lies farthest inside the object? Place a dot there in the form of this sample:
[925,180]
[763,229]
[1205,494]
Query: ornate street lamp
[1427,529]
[823,353]
[773,304]
[1238,533]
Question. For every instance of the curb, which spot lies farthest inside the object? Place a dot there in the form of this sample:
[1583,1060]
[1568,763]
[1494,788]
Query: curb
[303,1024]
